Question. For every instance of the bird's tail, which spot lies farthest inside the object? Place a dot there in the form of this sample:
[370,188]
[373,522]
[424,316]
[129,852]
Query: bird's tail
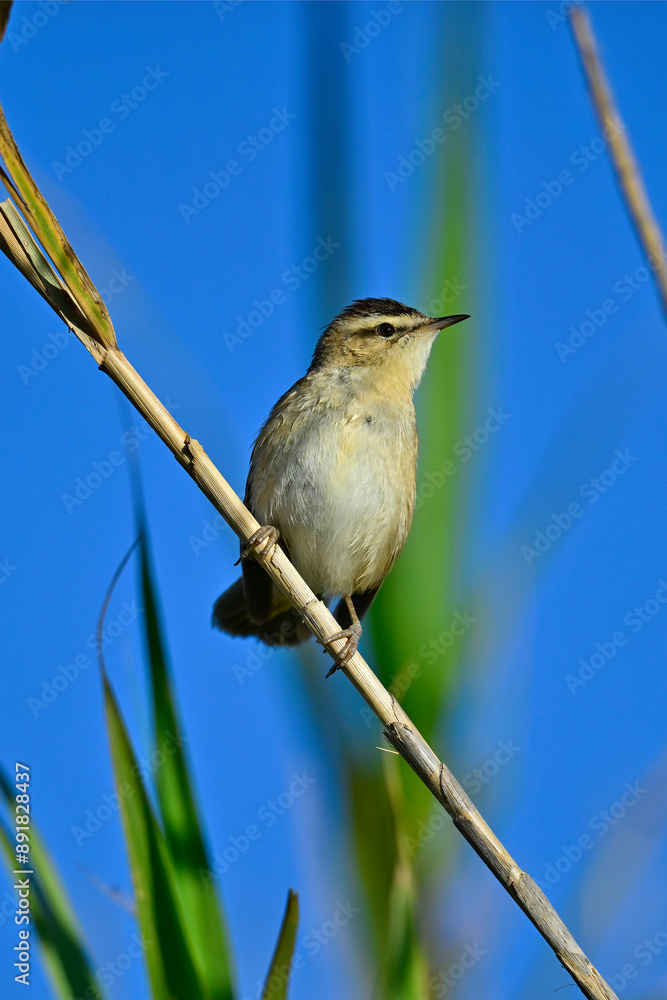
[230,615]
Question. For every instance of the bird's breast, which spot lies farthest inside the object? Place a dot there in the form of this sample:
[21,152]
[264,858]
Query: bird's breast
[339,483]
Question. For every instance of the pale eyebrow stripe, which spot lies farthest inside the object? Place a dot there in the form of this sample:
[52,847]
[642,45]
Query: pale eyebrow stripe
[370,322]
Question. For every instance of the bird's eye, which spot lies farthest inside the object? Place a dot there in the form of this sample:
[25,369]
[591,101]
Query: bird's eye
[385,330]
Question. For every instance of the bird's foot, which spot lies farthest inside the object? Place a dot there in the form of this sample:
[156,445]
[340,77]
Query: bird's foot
[261,544]
[353,635]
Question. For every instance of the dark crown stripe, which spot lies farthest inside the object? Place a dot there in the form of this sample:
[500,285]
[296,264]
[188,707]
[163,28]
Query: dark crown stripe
[373,307]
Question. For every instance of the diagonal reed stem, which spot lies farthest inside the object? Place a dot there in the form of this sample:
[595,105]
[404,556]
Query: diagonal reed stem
[628,174]
[398,728]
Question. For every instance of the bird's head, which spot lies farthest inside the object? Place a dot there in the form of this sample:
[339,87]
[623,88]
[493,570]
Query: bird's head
[390,340]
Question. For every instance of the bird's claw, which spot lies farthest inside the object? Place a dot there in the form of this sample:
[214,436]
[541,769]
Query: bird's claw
[353,635]
[261,544]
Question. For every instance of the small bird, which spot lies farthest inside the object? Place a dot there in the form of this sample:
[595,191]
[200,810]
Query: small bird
[333,474]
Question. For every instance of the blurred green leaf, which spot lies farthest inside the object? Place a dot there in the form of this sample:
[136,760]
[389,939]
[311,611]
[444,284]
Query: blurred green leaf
[417,652]
[182,829]
[277,980]
[418,600]
[61,938]
[404,966]
[404,973]
[373,832]
[416,604]
[169,958]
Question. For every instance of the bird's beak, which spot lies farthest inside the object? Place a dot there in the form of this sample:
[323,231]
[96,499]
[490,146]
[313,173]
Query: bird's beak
[434,325]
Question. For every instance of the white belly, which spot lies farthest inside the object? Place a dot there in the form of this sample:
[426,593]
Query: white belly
[342,499]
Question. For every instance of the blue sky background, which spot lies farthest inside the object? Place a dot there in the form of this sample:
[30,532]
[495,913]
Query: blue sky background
[184,286]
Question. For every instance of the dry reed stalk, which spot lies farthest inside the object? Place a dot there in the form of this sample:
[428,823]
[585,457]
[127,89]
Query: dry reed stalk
[94,329]
[627,170]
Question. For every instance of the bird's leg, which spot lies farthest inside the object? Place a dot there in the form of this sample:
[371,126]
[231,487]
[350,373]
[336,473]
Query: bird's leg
[261,544]
[352,634]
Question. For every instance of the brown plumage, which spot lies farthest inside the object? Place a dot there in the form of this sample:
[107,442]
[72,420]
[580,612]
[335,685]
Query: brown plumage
[334,470]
